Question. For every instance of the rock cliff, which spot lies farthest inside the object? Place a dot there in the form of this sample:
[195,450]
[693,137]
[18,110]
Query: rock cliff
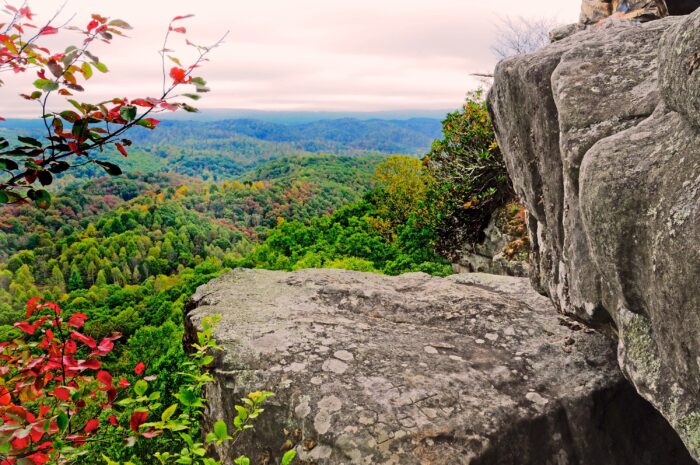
[414,370]
[601,134]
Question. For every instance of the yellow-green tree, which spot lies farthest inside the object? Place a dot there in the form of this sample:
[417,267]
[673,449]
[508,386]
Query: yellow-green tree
[403,181]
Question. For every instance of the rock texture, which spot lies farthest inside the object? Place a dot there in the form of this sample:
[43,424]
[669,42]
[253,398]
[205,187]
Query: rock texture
[472,369]
[491,255]
[601,134]
[594,11]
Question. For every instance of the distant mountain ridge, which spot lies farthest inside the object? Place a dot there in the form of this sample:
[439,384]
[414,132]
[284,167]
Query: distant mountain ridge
[338,136]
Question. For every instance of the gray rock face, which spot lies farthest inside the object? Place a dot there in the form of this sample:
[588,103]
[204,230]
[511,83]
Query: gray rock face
[601,134]
[488,256]
[414,370]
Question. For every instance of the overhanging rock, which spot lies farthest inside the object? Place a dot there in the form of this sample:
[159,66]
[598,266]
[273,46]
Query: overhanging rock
[601,135]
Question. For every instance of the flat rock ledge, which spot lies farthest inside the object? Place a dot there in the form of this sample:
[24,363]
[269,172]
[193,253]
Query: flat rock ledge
[369,369]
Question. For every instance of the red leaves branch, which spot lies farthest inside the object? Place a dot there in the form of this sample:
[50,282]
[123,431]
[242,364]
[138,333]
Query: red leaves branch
[45,383]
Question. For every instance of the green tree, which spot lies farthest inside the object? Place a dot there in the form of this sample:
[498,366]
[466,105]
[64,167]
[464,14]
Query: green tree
[470,177]
[75,280]
[403,181]
[57,280]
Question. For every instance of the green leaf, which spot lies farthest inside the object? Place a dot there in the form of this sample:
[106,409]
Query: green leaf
[29,141]
[110,168]
[128,112]
[189,108]
[220,430]
[187,397]
[101,67]
[242,460]
[192,96]
[4,198]
[288,457]
[87,70]
[141,386]
[42,199]
[40,83]
[168,413]
[62,421]
[120,24]
[7,164]
[77,105]
[70,116]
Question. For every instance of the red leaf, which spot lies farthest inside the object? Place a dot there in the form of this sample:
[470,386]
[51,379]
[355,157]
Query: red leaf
[77,320]
[180,30]
[26,327]
[138,369]
[142,103]
[178,75]
[137,419]
[87,340]
[61,393]
[91,364]
[5,398]
[113,420]
[92,25]
[121,149]
[39,458]
[32,304]
[104,378]
[177,18]
[91,425]
[48,30]
[106,345]
[168,106]
[123,383]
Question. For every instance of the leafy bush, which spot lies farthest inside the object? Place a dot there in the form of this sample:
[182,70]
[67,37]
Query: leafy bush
[470,181]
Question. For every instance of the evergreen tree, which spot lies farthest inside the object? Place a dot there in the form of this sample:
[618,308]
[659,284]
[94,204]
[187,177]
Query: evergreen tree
[57,280]
[75,281]
[101,280]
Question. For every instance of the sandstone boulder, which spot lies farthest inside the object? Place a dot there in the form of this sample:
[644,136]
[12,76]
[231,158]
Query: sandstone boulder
[601,135]
[471,369]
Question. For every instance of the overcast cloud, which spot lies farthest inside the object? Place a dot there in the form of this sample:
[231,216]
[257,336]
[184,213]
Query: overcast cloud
[340,55]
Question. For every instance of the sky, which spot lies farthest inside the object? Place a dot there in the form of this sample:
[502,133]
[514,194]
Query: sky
[301,55]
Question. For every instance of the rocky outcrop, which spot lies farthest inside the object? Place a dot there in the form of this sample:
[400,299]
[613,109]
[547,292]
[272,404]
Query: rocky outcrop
[503,249]
[601,135]
[594,11]
[471,369]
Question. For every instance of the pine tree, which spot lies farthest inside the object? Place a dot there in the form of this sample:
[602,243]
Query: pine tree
[57,280]
[101,280]
[75,281]
[118,277]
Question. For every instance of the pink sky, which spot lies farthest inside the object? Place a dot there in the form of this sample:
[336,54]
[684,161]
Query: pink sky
[341,55]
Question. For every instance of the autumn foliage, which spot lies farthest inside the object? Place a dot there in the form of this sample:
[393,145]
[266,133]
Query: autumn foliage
[83,132]
[54,388]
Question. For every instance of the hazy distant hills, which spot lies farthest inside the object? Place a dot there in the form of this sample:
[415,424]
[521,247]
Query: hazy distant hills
[215,150]
[343,136]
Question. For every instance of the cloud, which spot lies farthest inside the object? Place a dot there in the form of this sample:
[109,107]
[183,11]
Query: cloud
[306,54]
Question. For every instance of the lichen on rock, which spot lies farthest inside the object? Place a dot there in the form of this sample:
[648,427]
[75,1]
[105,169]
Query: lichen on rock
[472,369]
[601,135]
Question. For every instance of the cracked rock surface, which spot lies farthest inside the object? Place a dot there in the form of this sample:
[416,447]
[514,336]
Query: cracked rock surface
[472,369]
[601,136]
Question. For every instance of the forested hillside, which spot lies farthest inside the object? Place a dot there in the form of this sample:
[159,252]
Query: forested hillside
[128,251]
[226,149]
